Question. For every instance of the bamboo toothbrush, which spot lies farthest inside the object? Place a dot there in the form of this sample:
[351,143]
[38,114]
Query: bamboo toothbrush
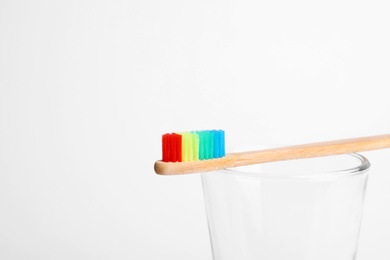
[202,151]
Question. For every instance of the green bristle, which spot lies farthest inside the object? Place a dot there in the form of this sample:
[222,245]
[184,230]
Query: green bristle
[208,145]
[201,145]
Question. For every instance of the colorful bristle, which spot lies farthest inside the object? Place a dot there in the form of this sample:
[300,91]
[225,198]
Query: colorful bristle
[193,146]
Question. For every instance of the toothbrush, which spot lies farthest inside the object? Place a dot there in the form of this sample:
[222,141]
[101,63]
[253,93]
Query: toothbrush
[203,151]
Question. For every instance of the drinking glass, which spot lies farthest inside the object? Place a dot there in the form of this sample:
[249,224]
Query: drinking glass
[306,209]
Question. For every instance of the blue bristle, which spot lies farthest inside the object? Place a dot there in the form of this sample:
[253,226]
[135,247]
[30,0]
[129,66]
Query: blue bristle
[221,136]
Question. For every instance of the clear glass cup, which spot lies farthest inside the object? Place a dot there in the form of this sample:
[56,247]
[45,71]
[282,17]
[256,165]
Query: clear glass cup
[308,209]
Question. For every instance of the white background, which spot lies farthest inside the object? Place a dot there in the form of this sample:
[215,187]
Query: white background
[88,87]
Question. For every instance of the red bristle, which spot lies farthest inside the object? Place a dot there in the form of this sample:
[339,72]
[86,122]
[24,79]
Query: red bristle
[168,151]
[172,148]
[165,147]
[172,151]
[178,148]
[163,142]
[171,155]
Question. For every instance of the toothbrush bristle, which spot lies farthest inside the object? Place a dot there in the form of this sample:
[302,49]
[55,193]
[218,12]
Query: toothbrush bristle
[193,146]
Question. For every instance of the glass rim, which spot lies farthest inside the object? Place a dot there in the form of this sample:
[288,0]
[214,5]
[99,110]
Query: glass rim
[361,168]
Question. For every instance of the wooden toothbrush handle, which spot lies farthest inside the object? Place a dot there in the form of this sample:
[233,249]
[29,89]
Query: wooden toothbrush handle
[311,150]
[344,146]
